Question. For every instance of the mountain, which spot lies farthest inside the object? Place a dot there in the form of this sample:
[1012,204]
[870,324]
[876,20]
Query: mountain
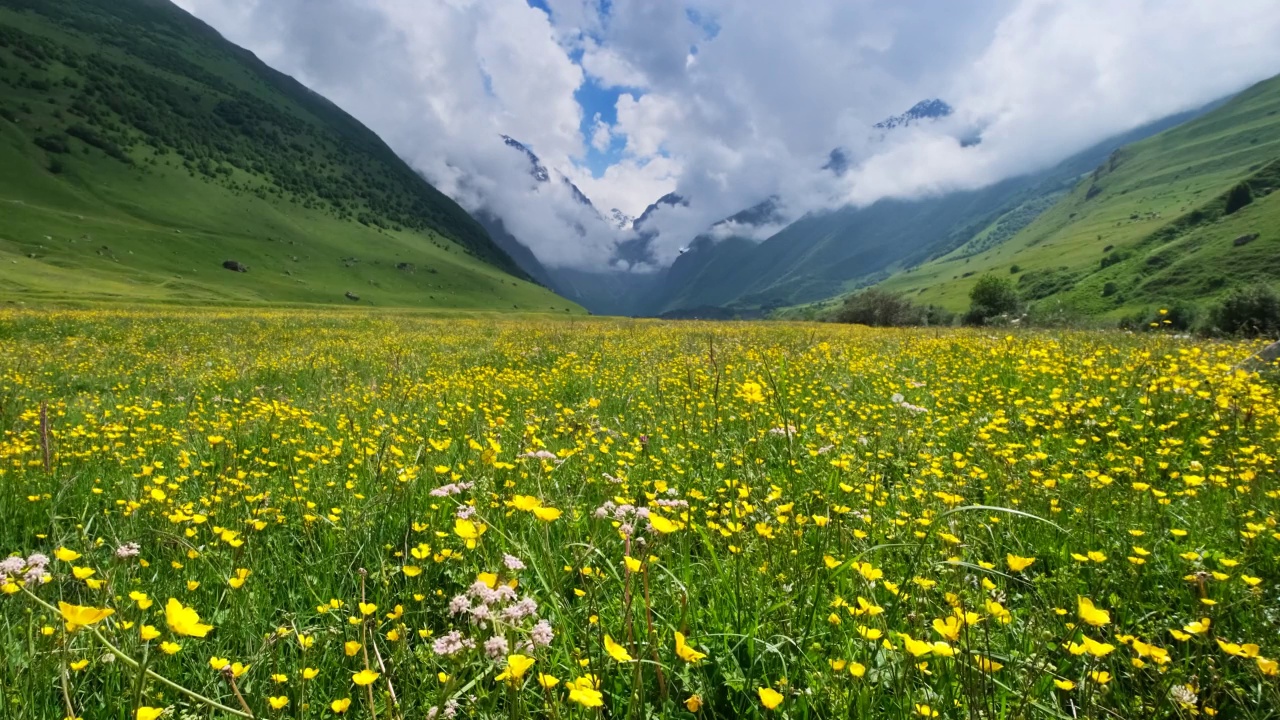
[148,159]
[822,255]
[620,220]
[923,110]
[1186,214]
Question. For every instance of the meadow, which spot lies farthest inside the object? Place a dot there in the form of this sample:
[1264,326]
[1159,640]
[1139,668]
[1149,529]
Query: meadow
[296,514]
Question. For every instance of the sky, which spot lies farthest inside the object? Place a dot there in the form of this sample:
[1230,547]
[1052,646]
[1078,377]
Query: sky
[730,102]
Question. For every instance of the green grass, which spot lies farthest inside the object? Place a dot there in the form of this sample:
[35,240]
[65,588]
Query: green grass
[1137,198]
[820,483]
[141,151]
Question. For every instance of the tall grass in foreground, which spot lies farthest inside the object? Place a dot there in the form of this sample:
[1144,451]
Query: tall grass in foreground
[315,516]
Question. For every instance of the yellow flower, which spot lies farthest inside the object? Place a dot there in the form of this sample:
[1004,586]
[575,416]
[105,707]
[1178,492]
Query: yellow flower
[340,706]
[525,503]
[79,665]
[184,620]
[309,673]
[1196,627]
[633,565]
[586,697]
[869,633]
[1064,684]
[368,609]
[237,581]
[364,677]
[1018,563]
[517,666]
[148,632]
[78,616]
[411,571]
[986,664]
[170,648]
[948,628]
[468,531]
[82,573]
[925,711]
[278,702]
[1267,666]
[918,648]
[857,669]
[148,713]
[1102,677]
[693,703]
[1090,614]
[662,524]
[548,681]
[547,514]
[66,554]
[351,647]
[686,653]
[616,651]
[751,392]
[769,697]
[141,598]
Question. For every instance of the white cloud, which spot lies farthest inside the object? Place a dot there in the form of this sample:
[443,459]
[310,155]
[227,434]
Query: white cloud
[609,69]
[732,101]
[601,134]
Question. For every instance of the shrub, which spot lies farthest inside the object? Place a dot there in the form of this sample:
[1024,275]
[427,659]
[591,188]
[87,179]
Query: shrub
[1179,316]
[1239,196]
[1248,311]
[881,308]
[991,296]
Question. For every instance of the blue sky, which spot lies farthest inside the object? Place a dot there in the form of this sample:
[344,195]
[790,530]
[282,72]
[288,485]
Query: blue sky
[595,99]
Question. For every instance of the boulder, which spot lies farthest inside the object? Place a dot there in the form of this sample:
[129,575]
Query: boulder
[234,266]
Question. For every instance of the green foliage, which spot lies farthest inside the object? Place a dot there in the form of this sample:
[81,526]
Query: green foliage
[991,296]
[1250,311]
[1239,196]
[879,308]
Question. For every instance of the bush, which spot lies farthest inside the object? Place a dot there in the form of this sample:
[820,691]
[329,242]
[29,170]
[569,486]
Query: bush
[1239,196]
[991,296]
[881,308]
[1248,311]
[1180,316]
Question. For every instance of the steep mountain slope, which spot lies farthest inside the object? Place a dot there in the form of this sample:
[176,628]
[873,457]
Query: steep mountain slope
[822,255]
[142,151]
[1151,224]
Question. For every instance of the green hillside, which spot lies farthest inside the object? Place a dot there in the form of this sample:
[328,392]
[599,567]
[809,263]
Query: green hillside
[1149,226]
[141,152]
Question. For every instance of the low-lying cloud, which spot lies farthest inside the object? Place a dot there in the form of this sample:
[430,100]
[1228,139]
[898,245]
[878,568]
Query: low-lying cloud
[729,102]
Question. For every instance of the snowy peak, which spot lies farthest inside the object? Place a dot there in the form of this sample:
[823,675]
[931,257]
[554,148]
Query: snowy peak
[536,168]
[620,220]
[923,110]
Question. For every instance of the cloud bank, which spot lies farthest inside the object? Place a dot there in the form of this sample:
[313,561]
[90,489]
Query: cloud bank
[729,102]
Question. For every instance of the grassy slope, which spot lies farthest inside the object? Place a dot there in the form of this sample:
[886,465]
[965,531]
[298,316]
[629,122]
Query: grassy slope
[1146,188]
[156,230]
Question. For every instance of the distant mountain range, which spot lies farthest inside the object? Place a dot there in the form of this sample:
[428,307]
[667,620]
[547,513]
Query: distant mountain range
[728,271]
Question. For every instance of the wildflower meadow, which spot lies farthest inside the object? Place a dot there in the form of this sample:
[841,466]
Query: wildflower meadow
[297,514]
